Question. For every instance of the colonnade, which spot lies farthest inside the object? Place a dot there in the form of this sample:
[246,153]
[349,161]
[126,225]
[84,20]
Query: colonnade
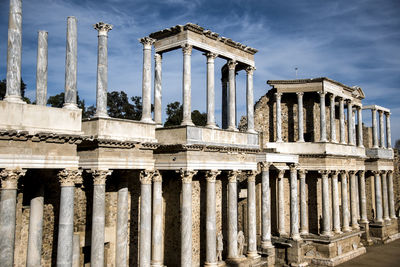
[381,142]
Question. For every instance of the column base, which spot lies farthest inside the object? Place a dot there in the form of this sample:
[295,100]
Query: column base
[337,231]
[266,244]
[147,120]
[187,123]
[14,99]
[296,237]
[212,126]
[343,143]
[252,131]
[253,255]
[101,115]
[388,221]
[300,141]
[364,221]
[210,263]
[304,232]
[232,128]
[70,106]
[326,233]
[355,227]
[346,229]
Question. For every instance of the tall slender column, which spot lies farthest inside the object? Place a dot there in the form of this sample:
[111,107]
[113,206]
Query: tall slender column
[300,116]
[353,201]
[294,204]
[98,216]
[345,203]
[232,214]
[224,104]
[391,195]
[354,127]
[34,252]
[303,203]
[341,118]
[14,51]
[71,62]
[8,202]
[278,117]
[232,95]
[281,203]
[251,215]
[350,122]
[374,129]
[322,118]
[360,127]
[363,198]
[211,227]
[378,197]
[326,216]
[67,178]
[385,196]
[76,251]
[147,43]
[186,218]
[381,130]
[265,207]
[102,69]
[250,99]
[157,238]
[332,119]
[41,69]
[388,132]
[145,218]
[187,85]
[121,246]
[210,90]
[335,203]
[157,88]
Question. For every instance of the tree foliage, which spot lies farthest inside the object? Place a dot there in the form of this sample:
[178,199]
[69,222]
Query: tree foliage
[119,106]
[3,89]
[175,115]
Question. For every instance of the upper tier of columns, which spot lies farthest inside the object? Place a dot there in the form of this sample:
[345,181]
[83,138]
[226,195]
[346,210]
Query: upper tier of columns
[380,143]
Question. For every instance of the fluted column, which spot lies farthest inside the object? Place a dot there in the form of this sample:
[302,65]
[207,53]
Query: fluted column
[147,43]
[71,62]
[378,197]
[281,203]
[322,118]
[381,130]
[391,195]
[332,118]
[350,122]
[232,214]
[121,246]
[335,203]
[250,99]
[345,203]
[187,85]
[232,95]
[210,90]
[385,199]
[326,216]
[341,120]
[278,117]
[145,218]
[41,69]
[353,200]
[300,116]
[8,202]
[265,207]
[294,204]
[251,215]
[67,178]
[374,129]
[157,237]
[363,198]
[303,203]
[388,132]
[360,127]
[157,88]
[14,51]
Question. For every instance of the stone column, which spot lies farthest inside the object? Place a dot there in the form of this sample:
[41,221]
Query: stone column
[250,99]
[300,116]
[157,236]
[378,197]
[98,216]
[157,88]
[67,178]
[363,198]
[76,251]
[392,211]
[332,119]
[34,252]
[145,218]
[322,118]
[232,215]
[210,90]
[385,200]
[353,200]
[294,204]
[186,217]
[281,203]
[341,118]
[388,132]
[345,203]
[8,202]
[350,122]
[251,215]
[14,51]
[187,84]
[41,69]
[147,43]
[278,117]
[224,104]
[374,129]
[121,246]
[303,203]
[71,62]
[354,127]
[232,96]
[102,69]
[265,207]
[335,203]
[381,130]
[360,128]
[326,216]
[211,227]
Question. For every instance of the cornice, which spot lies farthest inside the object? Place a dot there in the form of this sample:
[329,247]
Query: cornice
[15,135]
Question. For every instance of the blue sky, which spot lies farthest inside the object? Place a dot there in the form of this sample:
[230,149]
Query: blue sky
[354,42]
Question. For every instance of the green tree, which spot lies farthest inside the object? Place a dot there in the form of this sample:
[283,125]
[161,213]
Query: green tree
[175,115]
[3,88]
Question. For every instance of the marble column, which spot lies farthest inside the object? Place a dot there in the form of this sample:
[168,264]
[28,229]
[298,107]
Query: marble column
[265,207]
[332,118]
[157,88]
[300,118]
[157,236]
[250,100]
[350,122]
[71,62]
[8,203]
[147,43]
[353,200]
[303,203]
[224,104]
[322,118]
[68,178]
[251,215]
[121,246]
[98,216]
[232,215]
[345,203]
[363,198]
[385,199]
[335,203]
[14,51]
[187,85]
[76,251]
[41,69]
[281,203]
[341,121]
[102,69]
[392,211]
[378,197]
[381,130]
[326,216]
[294,204]
[278,97]
[354,127]
[210,90]
[34,251]
[360,127]
[145,218]
[232,96]
[388,132]
[186,217]
[374,129]
[211,224]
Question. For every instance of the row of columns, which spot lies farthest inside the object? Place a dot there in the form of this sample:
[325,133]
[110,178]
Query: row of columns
[381,143]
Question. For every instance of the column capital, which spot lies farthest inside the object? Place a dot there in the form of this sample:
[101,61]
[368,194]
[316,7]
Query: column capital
[343,172]
[300,94]
[251,175]
[384,172]
[293,167]
[99,176]
[264,166]
[321,93]
[380,112]
[145,176]
[158,58]
[10,177]
[332,96]
[352,172]
[390,171]
[232,176]
[187,175]
[232,64]
[361,172]
[387,114]
[250,70]
[348,101]
[376,172]
[211,56]
[102,28]
[187,49]
[302,172]
[281,173]
[324,172]
[278,95]
[147,42]
[70,177]
[211,175]
[335,173]
[157,177]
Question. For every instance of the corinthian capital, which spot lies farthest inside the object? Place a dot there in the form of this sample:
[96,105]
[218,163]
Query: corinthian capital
[264,166]
[251,175]
[157,177]
[9,178]
[100,176]
[211,55]
[69,177]
[187,49]
[232,64]
[147,42]
[146,176]
[232,176]
[186,175]
[103,28]
[212,175]
[250,70]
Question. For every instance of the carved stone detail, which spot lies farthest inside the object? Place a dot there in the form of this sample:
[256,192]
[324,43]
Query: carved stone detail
[147,42]
[146,176]
[103,28]
[187,49]
[9,178]
[157,177]
[211,55]
[251,175]
[264,166]
[232,64]
[68,177]
[100,176]
[250,70]
[212,175]
[232,176]
[186,175]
